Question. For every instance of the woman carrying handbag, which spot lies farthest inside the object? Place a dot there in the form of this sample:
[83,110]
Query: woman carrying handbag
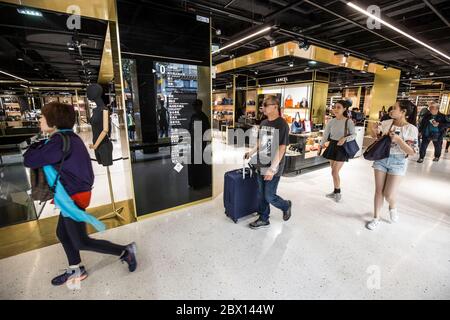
[338,131]
[399,139]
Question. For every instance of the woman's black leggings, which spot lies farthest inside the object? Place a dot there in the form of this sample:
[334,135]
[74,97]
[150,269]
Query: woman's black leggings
[74,237]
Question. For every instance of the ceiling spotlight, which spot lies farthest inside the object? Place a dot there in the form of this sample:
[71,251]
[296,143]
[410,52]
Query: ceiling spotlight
[385,67]
[366,64]
[416,66]
[307,68]
[346,54]
[346,86]
[312,62]
[218,32]
[303,44]
[431,73]
[36,69]
[256,72]
[363,71]
[291,64]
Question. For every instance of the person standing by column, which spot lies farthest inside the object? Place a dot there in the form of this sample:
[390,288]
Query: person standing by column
[273,138]
[337,131]
[389,172]
[432,128]
[77,178]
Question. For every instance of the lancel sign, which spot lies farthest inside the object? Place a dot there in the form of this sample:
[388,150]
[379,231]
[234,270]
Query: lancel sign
[281,79]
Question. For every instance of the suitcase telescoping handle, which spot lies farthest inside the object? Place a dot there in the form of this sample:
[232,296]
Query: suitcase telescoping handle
[244,166]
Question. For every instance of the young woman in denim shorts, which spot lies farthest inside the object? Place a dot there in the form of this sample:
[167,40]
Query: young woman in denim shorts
[389,171]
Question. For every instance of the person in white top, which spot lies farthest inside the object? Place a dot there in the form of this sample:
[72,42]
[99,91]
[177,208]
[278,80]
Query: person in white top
[337,132]
[389,171]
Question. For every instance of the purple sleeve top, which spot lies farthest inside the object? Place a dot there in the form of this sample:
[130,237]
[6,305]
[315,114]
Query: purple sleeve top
[77,174]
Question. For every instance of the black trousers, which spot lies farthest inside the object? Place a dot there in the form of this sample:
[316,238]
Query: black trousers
[74,237]
[437,147]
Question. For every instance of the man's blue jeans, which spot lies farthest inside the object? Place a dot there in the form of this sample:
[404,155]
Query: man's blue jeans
[267,195]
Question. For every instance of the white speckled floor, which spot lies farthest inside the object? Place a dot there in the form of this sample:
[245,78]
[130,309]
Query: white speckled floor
[323,252]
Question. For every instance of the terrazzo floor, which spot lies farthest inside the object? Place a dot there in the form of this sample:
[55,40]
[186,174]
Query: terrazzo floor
[323,252]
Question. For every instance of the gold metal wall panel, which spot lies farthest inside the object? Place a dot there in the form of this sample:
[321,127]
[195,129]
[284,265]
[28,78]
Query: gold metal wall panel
[106,73]
[384,90]
[291,49]
[319,102]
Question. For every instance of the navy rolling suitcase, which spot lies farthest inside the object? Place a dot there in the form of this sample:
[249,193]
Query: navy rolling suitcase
[240,194]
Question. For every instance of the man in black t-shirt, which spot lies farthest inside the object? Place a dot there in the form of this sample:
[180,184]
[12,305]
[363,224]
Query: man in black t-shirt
[273,138]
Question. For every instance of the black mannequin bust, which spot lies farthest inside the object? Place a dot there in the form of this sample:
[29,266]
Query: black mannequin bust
[100,123]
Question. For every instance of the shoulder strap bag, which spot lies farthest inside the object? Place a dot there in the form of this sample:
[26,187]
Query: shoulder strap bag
[351,147]
[380,149]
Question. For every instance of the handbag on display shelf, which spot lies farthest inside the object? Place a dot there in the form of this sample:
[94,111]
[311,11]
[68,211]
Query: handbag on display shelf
[380,149]
[296,126]
[351,147]
[289,102]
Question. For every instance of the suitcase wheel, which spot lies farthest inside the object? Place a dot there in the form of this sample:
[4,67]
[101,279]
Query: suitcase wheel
[235,220]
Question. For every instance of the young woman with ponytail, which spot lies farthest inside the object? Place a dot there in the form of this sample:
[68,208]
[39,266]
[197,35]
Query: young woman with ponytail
[389,171]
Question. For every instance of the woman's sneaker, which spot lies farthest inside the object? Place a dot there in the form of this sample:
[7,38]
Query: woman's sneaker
[337,197]
[331,195]
[394,215]
[71,276]
[372,225]
[129,256]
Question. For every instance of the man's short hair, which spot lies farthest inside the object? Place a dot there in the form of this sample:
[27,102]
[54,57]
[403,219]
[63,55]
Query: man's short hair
[272,100]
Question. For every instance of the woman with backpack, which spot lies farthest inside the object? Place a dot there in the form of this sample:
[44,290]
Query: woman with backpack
[338,131]
[389,171]
[74,181]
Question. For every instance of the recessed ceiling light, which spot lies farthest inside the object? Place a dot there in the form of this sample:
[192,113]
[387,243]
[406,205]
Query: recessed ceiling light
[242,39]
[396,29]
[291,64]
[29,12]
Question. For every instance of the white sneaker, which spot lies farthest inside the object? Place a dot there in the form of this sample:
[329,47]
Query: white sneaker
[337,197]
[331,195]
[372,225]
[394,215]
